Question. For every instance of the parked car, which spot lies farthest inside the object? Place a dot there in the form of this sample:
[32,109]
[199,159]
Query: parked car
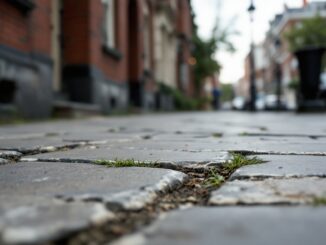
[272,104]
[239,103]
[260,102]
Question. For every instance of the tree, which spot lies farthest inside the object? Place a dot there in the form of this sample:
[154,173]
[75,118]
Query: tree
[205,50]
[310,33]
[227,92]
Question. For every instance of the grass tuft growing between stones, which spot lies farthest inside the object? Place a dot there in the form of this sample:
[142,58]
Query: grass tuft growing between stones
[122,163]
[319,201]
[239,160]
[214,180]
[243,134]
[217,135]
[264,129]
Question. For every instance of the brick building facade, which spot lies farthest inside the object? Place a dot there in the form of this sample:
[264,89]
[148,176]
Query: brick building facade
[99,52]
[25,56]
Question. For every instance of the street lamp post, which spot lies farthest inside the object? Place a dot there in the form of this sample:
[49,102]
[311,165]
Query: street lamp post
[252,104]
[278,73]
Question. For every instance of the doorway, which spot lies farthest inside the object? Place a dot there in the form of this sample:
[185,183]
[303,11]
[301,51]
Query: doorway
[135,86]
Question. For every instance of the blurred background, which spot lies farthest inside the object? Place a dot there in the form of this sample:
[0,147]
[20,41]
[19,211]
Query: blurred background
[66,58]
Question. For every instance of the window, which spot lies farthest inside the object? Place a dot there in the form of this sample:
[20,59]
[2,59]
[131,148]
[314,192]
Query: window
[147,38]
[24,5]
[109,23]
[7,91]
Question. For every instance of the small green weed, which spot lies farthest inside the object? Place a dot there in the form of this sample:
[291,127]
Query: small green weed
[244,134]
[217,135]
[319,201]
[122,163]
[214,180]
[239,160]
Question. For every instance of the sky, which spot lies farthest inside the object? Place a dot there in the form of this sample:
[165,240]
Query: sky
[206,12]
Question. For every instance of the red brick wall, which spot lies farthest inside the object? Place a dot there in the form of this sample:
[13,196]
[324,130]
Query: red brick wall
[76,32]
[136,48]
[184,24]
[28,32]
[40,27]
[113,68]
[83,42]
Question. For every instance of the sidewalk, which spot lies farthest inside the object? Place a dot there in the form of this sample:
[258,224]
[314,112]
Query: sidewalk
[189,178]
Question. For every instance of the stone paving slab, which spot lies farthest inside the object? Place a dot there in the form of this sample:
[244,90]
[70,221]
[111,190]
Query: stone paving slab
[10,154]
[225,143]
[283,166]
[187,122]
[103,137]
[59,127]
[270,191]
[27,146]
[149,155]
[43,201]
[288,145]
[3,161]
[46,221]
[236,225]
[115,186]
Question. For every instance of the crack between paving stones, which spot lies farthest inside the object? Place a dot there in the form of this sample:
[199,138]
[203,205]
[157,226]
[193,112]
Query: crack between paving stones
[195,166]
[252,153]
[193,192]
[26,153]
[282,135]
[263,177]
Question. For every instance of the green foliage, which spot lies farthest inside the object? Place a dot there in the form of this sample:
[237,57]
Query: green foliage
[205,50]
[239,160]
[181,101]
[214,180]
[319,201]
[294,84]
[264,129]
[217,135]
[122,163]
[227,92]
[244,134]
[311,33]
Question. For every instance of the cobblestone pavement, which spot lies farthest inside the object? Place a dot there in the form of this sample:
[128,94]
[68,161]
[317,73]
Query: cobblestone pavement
[188,178]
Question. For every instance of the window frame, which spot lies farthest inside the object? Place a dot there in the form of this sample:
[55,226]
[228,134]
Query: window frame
[107,47]
[109,24]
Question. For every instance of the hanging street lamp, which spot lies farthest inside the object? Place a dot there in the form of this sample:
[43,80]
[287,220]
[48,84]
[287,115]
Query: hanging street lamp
[252,102]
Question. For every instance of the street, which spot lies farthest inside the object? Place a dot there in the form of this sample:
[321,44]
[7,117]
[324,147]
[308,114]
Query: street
[187,178]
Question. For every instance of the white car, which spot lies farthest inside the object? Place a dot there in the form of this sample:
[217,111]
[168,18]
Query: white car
[271,103]
[238,103]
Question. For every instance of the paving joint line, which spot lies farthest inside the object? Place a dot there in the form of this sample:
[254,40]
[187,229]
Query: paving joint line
[263,177]
[278,153]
